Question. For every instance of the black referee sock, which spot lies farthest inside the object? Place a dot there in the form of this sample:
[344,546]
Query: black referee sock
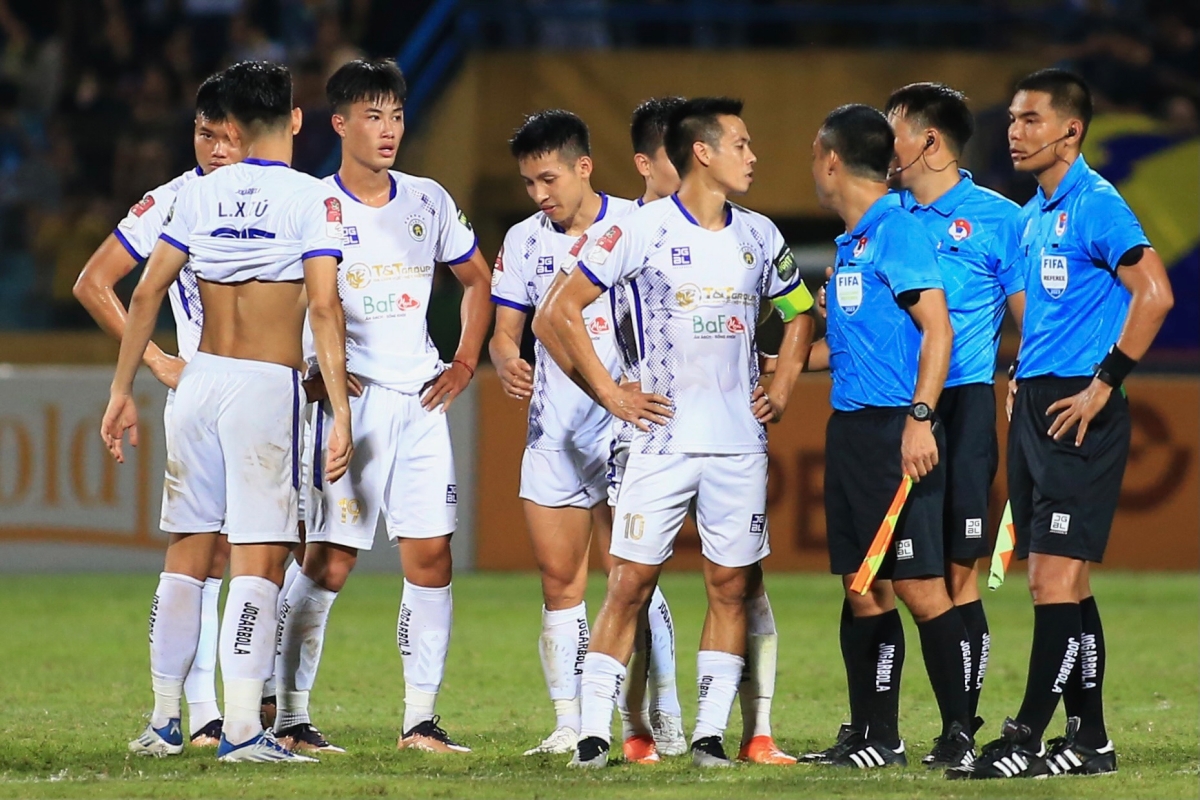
[1057,630]
[981,644]
[1083,696]
[878,647]
[850,659]
[947,653]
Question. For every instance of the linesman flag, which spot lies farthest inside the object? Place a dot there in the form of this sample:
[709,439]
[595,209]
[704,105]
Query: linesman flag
[882,541]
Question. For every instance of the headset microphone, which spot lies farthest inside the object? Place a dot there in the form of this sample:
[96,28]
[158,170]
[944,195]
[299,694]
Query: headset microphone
[920,155]
[1070,132]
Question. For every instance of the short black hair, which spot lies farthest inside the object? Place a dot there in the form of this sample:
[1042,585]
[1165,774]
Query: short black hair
[862,138]
[649,124]
[937,106]
[1069,94]
[549,131]
[361,80]
[208,98]
[694,121]
[257,93]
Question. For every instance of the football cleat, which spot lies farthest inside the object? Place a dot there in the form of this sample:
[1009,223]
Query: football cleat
[860,752]
[306,738]
[261,749]
[817,756]
[1067,756]
[1014,755]
[640,749]
[953,750]
[763,750]
[708,752]
[159,742]
[669,738]
[267,712]
[209,735]
[562,740]
[431,738]
[590,753]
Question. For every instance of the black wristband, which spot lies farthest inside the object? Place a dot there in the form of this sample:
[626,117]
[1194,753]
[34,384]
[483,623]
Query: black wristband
[1012,368]
[1115,367]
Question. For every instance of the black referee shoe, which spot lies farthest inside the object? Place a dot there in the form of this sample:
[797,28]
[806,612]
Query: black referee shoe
[953,750]
[817,756]
[860,752]
[1014,755]
[1066,756]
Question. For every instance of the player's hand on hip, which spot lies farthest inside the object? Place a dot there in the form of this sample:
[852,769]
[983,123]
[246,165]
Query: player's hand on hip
[1010,397]
[631,404]
[766,408]
[918,449]
[516,376]
[338,450]
[767,363]
[445,387]
[120,416]
[1078,409]
[167,370]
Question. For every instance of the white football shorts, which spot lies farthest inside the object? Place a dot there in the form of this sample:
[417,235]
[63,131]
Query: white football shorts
[557,478]
[233,436]
[402,467]
[731,507]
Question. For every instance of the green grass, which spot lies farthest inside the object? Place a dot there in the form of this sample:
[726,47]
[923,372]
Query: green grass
[74,687]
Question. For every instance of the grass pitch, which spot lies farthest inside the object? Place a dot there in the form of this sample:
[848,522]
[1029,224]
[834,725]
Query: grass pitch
[74,688]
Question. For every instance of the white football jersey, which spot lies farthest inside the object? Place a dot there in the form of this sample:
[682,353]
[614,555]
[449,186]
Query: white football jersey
[256,220]
[561,416]
[139,233]
[695,295]
[386,278]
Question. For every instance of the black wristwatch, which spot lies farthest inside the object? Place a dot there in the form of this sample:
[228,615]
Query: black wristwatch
[921,412]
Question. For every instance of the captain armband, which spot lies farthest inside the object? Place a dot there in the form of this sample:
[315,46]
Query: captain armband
[794,303]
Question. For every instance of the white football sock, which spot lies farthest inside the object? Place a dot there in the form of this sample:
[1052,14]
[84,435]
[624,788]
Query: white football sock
[303,618]
[289,577]
[174,631]
[717,676]
[634,702]
[247,649]
[758,681]
[598,690]
[663,690]
[562,647]
[423,637]
[200,688]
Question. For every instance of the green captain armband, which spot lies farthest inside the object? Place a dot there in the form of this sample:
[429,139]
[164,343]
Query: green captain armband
[794,303]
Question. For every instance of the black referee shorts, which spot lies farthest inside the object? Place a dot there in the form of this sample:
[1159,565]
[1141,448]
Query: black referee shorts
[1064,497]
[968,415]
[862,473]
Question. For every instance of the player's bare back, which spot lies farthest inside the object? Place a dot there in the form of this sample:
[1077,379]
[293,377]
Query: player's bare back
[255,320]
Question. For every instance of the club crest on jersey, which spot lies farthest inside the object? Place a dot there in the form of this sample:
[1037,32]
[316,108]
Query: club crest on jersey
[416,228]
[960,229]
[849,291]
[350,236]
[1054,275]
[681,256]
[599,326]
[604,246]
[748,256]
[1060,224]
[860,246]
[142,206]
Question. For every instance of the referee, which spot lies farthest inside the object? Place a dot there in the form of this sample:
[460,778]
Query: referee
[970,224]
[888,348]
[1097,295]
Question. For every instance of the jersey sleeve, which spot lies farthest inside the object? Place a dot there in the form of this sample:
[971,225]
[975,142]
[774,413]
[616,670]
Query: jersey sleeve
[1109,227]
[1003,255]
[612,257]
[319,224]
[181,218]
[908,256]
[456,238]
[138,232]
[509,287]
[784,285]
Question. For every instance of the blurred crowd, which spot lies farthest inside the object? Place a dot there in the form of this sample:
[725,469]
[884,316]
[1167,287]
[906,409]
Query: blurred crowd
[95,95]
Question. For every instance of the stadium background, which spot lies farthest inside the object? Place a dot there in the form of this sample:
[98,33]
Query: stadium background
[95,109]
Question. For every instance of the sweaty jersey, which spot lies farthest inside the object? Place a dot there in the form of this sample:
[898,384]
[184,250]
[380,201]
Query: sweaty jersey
[386,277]
[1068,248]
[873,342]
[138,233]
[695,296]
[561,416]
[970,225]
[256,220]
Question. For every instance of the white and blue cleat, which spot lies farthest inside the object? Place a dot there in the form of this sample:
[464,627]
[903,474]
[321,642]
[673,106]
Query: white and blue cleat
[261,749]
[159,742]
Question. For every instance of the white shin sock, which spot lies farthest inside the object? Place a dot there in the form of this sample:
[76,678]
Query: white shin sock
[200,688]
[717,676]
[562,648]
[599,687]
[423,637]
[289,577]
[663,690]
[762,654]
[174,632]
[303,618]
[247,650]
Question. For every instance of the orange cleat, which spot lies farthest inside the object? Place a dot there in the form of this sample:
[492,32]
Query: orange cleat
[641,750]
[762,750]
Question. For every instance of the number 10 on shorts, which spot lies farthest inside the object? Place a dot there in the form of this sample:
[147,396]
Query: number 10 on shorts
[635,527]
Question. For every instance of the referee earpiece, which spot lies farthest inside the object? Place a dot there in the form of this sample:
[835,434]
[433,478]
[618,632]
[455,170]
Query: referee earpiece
[1072,132]
[929,141]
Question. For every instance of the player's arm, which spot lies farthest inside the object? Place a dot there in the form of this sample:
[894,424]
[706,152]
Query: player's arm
[121,415]
[94,289]
[793,304]
[1142,272]
[328,322]
[918,448]
[504,348]
[476,315]
[546,334]
[818,354]
[565,316]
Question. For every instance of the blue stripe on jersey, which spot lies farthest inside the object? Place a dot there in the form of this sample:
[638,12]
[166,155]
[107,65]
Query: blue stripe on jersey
[317,467]
[591,276]
[173,243]
[263,162]
[325,252]
[454,262]
[183,299]
[637,315]
[295,430]
[128,247]
[500,301]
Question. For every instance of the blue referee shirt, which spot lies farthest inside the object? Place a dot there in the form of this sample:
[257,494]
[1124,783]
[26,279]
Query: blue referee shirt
[1067,248]
[970,225]
[873,342]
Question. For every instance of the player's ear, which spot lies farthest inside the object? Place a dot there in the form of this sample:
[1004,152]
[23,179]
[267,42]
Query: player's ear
[297,120]
[642,164]
[339,125]
[702,152]
[583,167]
[833,162]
